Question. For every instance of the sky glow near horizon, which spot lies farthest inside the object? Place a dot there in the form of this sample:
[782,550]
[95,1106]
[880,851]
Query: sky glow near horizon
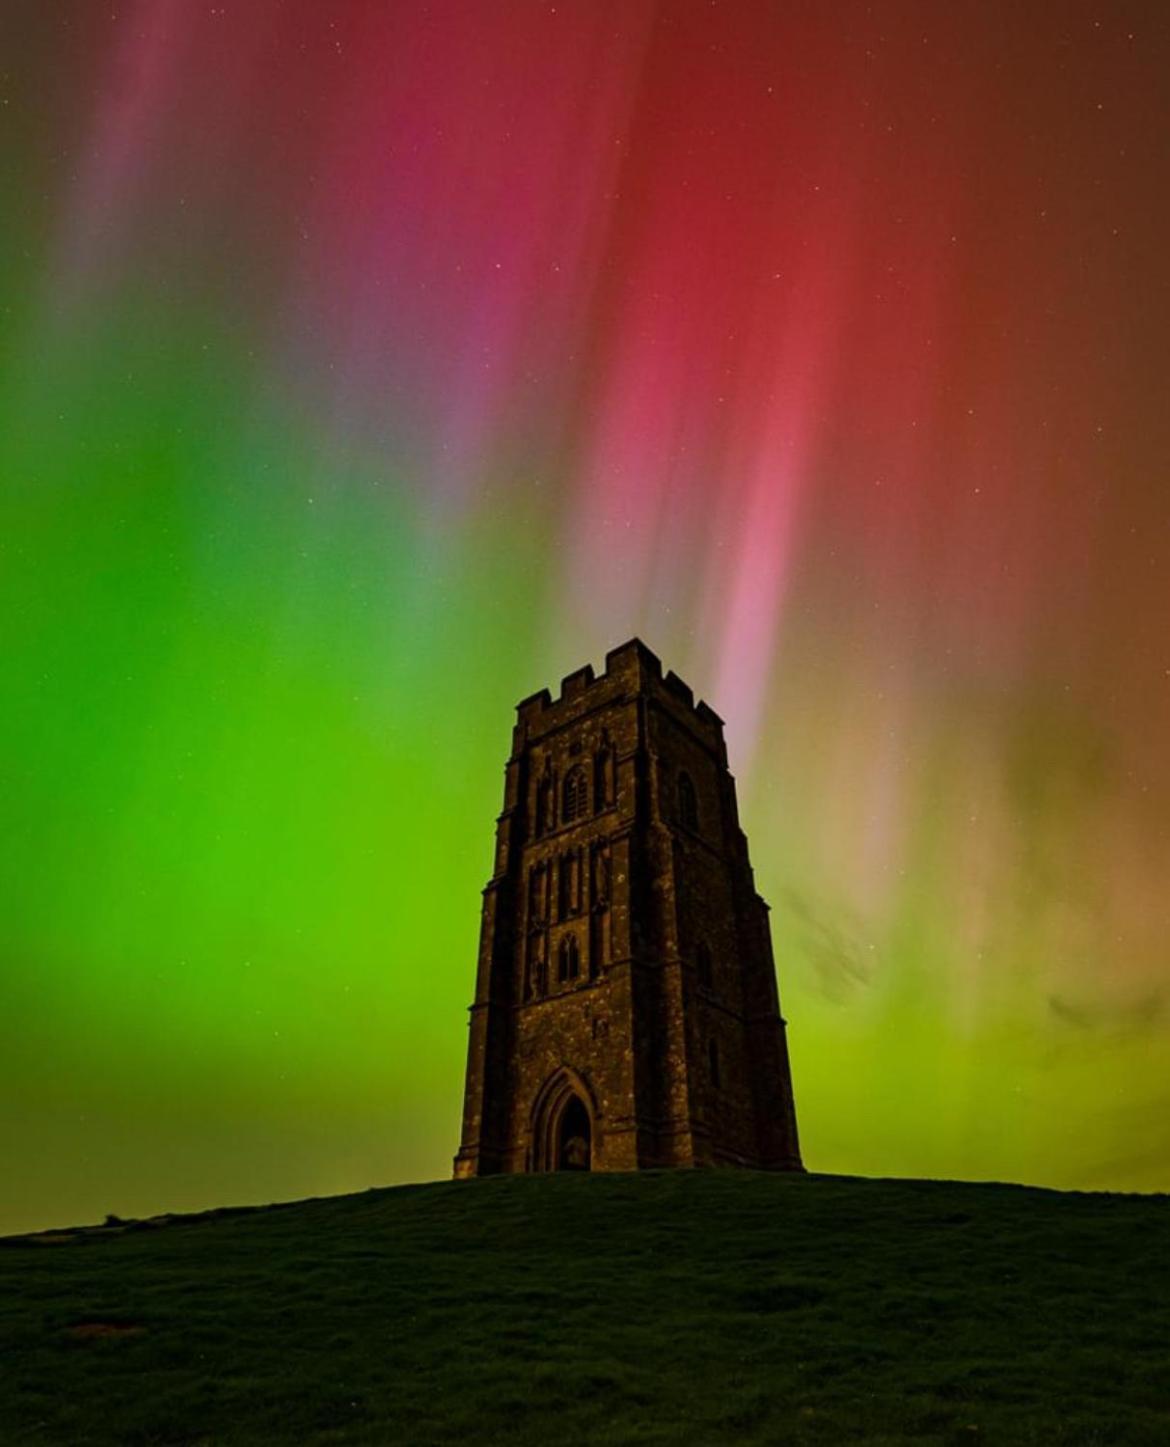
[365,368]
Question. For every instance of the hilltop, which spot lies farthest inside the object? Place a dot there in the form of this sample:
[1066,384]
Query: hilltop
[660,1308]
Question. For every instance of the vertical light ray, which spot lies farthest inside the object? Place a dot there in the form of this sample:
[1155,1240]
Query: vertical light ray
[370,366]
[147,46]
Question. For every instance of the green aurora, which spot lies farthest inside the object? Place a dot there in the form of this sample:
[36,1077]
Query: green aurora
[314,460]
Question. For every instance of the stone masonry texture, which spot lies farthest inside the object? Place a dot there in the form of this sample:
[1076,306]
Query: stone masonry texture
[626,1012]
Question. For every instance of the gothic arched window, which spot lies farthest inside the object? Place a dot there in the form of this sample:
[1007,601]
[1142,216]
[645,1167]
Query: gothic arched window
[713,1062]
[574,795]
[688,804]
[703,965]
[568,960]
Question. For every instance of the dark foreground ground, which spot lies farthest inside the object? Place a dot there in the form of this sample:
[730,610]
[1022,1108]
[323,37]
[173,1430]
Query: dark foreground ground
[696,1308]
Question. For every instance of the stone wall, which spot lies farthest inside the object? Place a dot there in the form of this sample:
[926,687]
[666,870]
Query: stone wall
[621,954]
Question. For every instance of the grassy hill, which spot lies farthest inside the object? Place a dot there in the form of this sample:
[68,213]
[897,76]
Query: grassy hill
[703,1307]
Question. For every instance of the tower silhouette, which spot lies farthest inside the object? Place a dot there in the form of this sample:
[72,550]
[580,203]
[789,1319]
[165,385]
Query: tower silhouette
[626,1012]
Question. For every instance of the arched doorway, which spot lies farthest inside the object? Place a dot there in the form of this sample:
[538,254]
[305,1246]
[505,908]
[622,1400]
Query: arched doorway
[564,1124]
[574,1151]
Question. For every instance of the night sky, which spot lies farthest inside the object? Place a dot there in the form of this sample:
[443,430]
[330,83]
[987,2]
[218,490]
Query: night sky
[365,367]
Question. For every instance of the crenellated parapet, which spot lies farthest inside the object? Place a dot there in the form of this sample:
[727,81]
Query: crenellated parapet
[630,669]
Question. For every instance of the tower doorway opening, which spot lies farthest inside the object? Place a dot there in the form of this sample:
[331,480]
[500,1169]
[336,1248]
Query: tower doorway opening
[574,1151]
[564,1137]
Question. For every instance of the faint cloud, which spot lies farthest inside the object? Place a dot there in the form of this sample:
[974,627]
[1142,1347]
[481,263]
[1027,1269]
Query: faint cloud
[1066,1012]
[1119,1017]
[841,961]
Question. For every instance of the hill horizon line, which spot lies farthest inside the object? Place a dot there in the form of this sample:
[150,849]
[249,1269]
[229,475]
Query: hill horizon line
[116,1223]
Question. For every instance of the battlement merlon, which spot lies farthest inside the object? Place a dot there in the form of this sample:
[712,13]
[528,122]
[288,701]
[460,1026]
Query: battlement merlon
[630,668]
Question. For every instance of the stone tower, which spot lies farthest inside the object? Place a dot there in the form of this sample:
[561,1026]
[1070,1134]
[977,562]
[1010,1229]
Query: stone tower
[625,1011]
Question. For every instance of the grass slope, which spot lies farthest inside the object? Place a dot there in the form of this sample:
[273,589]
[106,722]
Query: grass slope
[697,1307]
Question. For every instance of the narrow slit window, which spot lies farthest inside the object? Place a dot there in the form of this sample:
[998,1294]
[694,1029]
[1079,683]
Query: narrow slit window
[602,786]
[688,804]
[568,960]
